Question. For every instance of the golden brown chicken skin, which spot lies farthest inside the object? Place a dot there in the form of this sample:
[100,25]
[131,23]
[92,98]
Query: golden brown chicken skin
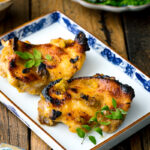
[67,57]
[75,101]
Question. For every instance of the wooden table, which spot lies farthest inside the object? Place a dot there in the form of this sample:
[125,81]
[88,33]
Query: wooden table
[127,33]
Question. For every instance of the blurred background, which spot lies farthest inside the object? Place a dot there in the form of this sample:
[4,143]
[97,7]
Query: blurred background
[128,33]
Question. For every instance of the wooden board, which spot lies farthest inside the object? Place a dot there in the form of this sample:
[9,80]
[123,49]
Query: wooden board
[137,31]
[12,130]
[137,34]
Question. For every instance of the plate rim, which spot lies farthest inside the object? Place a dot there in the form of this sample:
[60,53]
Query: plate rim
[110,138]
[112,8]
[5,4]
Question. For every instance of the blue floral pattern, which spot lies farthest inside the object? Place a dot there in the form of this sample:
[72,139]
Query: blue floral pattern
[55,16]
[91,41]
[142,80]
[94,43]
[129,70]
[71,27]
[106,53]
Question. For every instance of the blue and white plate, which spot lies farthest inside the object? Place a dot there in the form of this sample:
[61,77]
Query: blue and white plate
[112,8]
[100,59]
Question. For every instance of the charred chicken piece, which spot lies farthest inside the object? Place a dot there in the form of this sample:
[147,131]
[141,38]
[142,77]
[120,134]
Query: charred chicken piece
[75,101]
[67,57]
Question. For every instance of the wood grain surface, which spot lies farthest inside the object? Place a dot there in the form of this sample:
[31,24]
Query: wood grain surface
[127,33]
[12,130]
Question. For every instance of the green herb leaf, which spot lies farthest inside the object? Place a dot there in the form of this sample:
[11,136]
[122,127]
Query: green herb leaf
[105,123]
[29,55]
[48,57]
[109,116]
[92,139]
[115,115]
[87,127]
[21,54]
[29,63]
[97,113]
[24,55]
[37,54]
[93,119]
[122,111]
[114,103]
[105,108]
[98,130]
[102,112]
[80,132]
[37,62]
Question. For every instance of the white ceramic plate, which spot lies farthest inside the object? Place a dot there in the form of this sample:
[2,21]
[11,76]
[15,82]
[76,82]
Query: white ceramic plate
[112,8]
[100,59]
[5,4]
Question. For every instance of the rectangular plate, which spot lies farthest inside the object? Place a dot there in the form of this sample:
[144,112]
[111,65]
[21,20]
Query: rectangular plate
[100,59]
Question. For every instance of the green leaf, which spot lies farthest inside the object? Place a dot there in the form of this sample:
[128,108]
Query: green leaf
[109,116]
[80,132]
[87,127]
[24,55]
[37,54]
[122,111]
[114,103]
[21,54]
[48,57]
[92,139]
[115,115]
[105,108]
[102,112]
[105,123]
[30,63]
[98,130]
[93,119]
[29,55]
[37,63]
[97,113]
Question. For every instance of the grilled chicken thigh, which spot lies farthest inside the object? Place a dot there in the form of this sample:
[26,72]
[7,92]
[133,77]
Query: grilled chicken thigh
[75,101]
[67,57]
